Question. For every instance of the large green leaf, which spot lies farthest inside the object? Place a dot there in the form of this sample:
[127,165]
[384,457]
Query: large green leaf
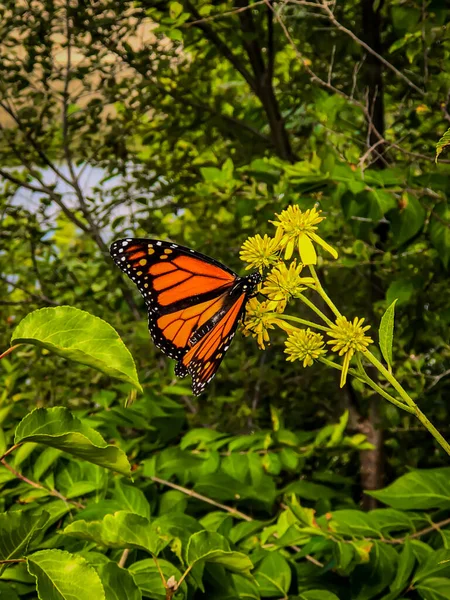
[371,578]
[405,567]
[437,564]
[79,336]
[273,576]
[434,588]
[405,223]
[118,583]
[58,428]
[127,530]
[417,490]
[120,530]
[131,498]
[386,333]
[17,530]
[61,575]
[211,547]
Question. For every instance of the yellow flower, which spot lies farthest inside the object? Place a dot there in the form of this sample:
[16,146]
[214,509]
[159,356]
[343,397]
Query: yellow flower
[258,319]
[304,345]
[348,338]
[284,283]
[259,252]
[295,227]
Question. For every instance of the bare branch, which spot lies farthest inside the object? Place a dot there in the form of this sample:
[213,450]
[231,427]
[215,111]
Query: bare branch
[325,6]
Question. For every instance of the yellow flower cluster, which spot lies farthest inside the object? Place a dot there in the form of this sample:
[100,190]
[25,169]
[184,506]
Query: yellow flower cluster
[295,228]
[347,338]
[260,317]
[304,345]
[284,283]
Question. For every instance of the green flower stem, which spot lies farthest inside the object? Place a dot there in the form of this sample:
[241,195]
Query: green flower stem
[314,308]
[409,401]
[298,320]
[322,293]
[364,378]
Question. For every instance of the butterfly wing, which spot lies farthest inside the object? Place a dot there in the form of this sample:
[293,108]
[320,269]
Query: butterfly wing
[183,289]
[203,359]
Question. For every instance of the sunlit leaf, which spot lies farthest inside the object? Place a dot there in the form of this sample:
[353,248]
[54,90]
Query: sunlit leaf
[61,575]
[386,333]
[79,336]
[58,428]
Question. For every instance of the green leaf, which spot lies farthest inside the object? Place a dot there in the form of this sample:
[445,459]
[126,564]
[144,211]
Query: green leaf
[131,498]
[386,333]
[442,143]
[417,490]
[175,9]
[371,578]
[437,564]
[405,567]
[6,592]
[120,530]
[147,577]
[440,232]
[64,576]
[434,588]
[79,336]
[211,547]
[58,428]
[118,583]
[406,222]
[273,575]
[318,595]
[338,431]
[17,530]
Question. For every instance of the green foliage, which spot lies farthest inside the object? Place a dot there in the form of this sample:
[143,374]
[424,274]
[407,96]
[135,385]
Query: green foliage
[195,122]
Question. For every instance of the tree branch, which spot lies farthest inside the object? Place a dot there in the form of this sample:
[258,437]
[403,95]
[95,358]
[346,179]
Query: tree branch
[212,36]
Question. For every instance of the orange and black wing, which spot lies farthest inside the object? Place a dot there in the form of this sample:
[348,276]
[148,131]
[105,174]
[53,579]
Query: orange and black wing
[203,359]
[186,292]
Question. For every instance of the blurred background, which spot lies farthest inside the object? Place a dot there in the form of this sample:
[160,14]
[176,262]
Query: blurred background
[196,121]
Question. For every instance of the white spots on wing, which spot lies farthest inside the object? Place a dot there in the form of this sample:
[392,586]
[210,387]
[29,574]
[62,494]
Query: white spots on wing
[192,250]
[120,249]
[174,245]
[159,243]
[123,258]
[125,243]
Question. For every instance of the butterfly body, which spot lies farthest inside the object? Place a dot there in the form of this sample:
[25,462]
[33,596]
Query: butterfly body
[194,302]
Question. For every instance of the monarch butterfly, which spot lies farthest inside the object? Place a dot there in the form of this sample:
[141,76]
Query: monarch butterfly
[194,302]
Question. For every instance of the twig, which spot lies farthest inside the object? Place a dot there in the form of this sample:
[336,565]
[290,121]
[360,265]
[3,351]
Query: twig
[6,352]
[10,450]
[193,494]
[123,558]
[228,13]
[39,486]
[437,378]
[325,7]
[12,560]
